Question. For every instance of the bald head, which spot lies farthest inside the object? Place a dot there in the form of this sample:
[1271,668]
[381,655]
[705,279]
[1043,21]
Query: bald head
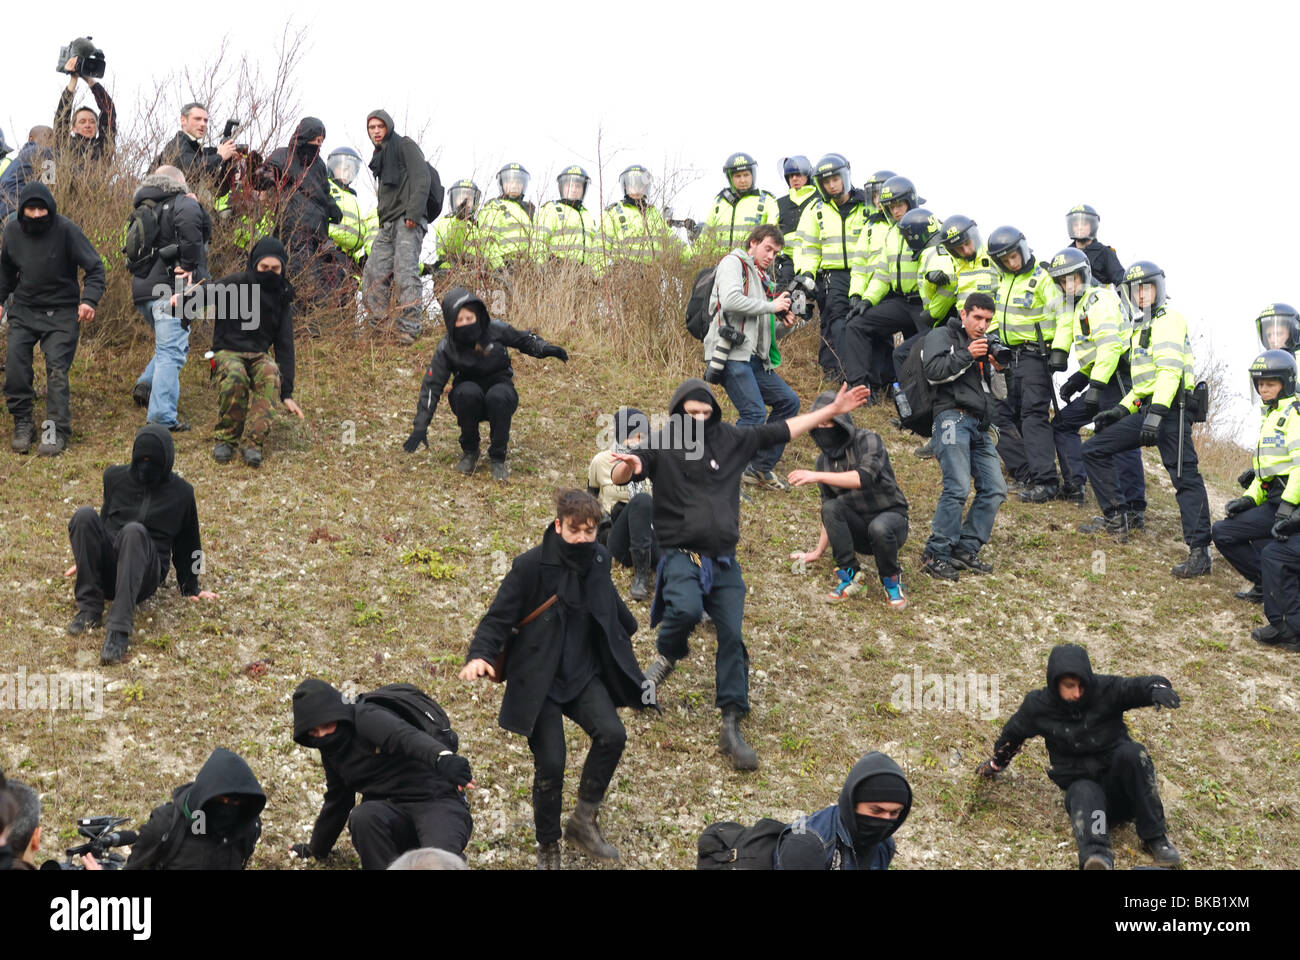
[173,174]
[44,136]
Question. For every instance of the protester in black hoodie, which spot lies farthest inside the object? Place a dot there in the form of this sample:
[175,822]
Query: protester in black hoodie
[249,379]
[411,785]
[39,257]
[475,352]
[212,823]
[862,507]
[149,518]
[574,659]
[1106,776]
[696,462]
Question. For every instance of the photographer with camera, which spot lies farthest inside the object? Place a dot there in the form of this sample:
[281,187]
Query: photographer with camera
[203,166]
[958,361]
[740,344]
[86,137]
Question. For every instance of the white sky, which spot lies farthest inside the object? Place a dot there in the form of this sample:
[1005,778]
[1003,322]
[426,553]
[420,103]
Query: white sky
[1173,121]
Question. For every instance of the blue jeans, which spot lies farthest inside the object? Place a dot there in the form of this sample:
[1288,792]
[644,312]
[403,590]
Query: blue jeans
[171,344]
[684,603]
[752,390]
[964,453]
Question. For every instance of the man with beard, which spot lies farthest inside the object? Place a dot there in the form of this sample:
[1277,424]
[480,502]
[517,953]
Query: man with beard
[39,258]
[857,832]
[121,553]
[572,657]
[862,507]
[696,463]
[212,823]
[411,783]
[1106,776]
[475,351]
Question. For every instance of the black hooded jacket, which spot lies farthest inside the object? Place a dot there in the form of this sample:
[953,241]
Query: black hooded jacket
[181,223]
[373,752]
[398,164]
[845,446]
[1105,264]
[167,509]
[301,184]
[223,838]
[272,324]
[485,362]
[1080,736]
[696,475]
[535,652]
[200,164]
[960,381]
[40,269]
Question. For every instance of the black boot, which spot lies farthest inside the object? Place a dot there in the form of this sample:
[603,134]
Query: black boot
[584,833]
[1162,852]
[1040,493]
[114,648]
[641,576]
[1197,564]
[467,462]
[548,856]
[24,436]
[1116,525]
[733,745]
[1071,493]
[1254,595]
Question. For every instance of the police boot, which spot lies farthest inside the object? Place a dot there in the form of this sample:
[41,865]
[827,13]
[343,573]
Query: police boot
[1137,519]
[584,833]
[1039,493]
[731,742]
[1116,525]
[548,855]
[1254,595]
[24,436]
[640,589]
[1197,564]
[1073,493]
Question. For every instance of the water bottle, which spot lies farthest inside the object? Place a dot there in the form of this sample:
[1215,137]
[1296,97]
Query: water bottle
[900,401]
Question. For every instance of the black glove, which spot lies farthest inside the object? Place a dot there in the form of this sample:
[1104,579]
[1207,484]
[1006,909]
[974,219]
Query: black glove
[454,768]
[940,279]
[987,769]
[1073,384]
[1104,419]
[857,307]
[1246,478]
[1286,523]
[1151,425]
[1092,399]
[417,437]
[559,353]
[1240,505]
[1058,360]
[302,850]
[1163,695]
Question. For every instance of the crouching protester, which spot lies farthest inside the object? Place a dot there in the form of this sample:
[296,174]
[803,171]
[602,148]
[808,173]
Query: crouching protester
[149,517]
[1107,777]
[564,633]
[626,528]
[412,784]
[211,823]
[249,378]
[696,463]
[862,507]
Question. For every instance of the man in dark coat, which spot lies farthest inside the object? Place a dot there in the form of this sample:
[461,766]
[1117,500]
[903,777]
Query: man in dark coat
[411,784]
[212,823]
[857,832]
[574,659]
[33,163]
[1106,776]
[82,136]
[475,352]
[121,553]
[39,258]
[207,167]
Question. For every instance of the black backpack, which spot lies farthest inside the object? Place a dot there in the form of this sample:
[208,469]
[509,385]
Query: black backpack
[733,846]
[697,307]
[433,205]
[919,392]
[149,228]
[417,708]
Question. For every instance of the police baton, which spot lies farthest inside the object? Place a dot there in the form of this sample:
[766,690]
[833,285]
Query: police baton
[1051,379]
[1182,412]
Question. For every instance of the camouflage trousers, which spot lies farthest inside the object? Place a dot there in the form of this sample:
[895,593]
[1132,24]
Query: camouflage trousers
[249,386]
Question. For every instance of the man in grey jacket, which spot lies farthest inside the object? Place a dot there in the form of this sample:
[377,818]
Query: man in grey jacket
[743,330]
[399,166]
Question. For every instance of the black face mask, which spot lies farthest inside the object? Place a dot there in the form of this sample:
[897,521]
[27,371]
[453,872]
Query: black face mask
[578,557]
[869,831]
[307,152]
[221,818]
[35,225]
[270,280]
[829,439]
[146,472]
[332,741]
[465,336]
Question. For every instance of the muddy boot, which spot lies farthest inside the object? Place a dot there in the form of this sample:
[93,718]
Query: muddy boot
[659,669]
[114,648]
[467,462]
[1197,564]
[24,436]
[641,575]
[584,833]
[548,856]
[732,744]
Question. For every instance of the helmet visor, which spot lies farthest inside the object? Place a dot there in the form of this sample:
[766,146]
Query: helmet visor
[965,245]
[463,198]
[344,169]
[1278,333]
[513,182]
[572,186]
[1081,226]
[636,183]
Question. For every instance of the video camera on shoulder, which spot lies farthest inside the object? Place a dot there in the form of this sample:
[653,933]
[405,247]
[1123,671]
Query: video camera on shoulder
[90,59]
[103,836]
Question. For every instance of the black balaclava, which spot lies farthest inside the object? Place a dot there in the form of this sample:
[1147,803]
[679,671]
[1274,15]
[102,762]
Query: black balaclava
[35,225]
[704,396]
[835,439]
[628,422]
[151,456]
[222,818]
[877,788]
[315,704]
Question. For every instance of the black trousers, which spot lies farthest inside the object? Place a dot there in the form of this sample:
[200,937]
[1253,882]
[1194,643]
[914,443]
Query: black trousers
[57,331]
[1242,539]
[1129,474]
[594,711]
[125,569]
[1026,442]
[869,341]
[383,830]
[832,309]
[472,405]
[851,533]
[1099,460]
[1281,566]
[1125,791]
[632,530]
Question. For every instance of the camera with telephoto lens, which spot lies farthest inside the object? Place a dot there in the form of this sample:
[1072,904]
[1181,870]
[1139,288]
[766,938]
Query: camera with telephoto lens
[103,836]
[728,337]
[90,59]
[998,350]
